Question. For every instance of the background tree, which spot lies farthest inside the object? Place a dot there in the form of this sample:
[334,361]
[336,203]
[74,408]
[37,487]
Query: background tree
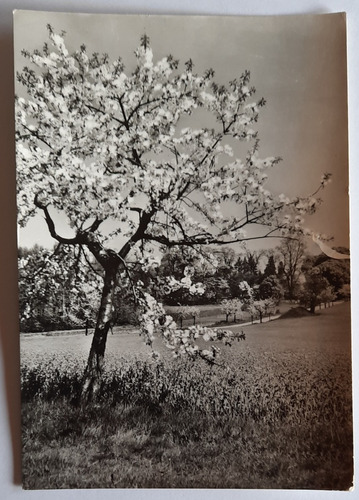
[270,288]
[270,269]
[226,272]
[231,306]
[280,271]
[328,296]
[185,312]
[104,148]
[54,292]
[216,289]
[226,308]
[248,267]
[315,284]
[194,313]
[291,253]
[182,313]
[344,292]
[337,272]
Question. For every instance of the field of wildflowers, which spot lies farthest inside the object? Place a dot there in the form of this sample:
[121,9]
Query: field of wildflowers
[277,414]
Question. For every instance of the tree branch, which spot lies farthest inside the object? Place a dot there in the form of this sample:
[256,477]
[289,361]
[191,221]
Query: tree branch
[51,225]
[192,241]
[33,133]
[89,263]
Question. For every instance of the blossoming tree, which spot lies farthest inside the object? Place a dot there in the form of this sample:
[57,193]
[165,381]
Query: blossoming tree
[106,148]
[231,306]
[56,288]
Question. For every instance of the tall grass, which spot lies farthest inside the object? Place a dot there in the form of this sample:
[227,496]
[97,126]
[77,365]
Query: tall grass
[256,423]
[271,390]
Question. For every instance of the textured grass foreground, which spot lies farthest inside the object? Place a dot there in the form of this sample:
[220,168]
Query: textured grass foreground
[186,425]
[130,447]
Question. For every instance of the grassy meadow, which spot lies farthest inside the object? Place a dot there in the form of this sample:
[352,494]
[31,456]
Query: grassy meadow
[277,414]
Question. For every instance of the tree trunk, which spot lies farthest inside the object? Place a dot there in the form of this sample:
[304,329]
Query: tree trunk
[312,305]
[95,363]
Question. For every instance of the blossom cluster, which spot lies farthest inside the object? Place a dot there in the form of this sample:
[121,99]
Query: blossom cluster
[172,284]
[181,341]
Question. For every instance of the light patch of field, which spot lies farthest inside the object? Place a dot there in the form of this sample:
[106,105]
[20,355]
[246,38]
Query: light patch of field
[211,314]
[327,331]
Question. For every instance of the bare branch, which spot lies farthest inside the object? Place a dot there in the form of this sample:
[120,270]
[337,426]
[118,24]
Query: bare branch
[194,240]
[51,225]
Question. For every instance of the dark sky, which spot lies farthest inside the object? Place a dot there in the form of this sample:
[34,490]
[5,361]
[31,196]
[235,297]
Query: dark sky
[297,63]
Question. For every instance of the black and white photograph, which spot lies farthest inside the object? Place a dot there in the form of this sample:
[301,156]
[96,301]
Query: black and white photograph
[183,251]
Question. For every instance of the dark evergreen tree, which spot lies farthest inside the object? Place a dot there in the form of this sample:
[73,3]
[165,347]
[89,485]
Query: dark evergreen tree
[270,269]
